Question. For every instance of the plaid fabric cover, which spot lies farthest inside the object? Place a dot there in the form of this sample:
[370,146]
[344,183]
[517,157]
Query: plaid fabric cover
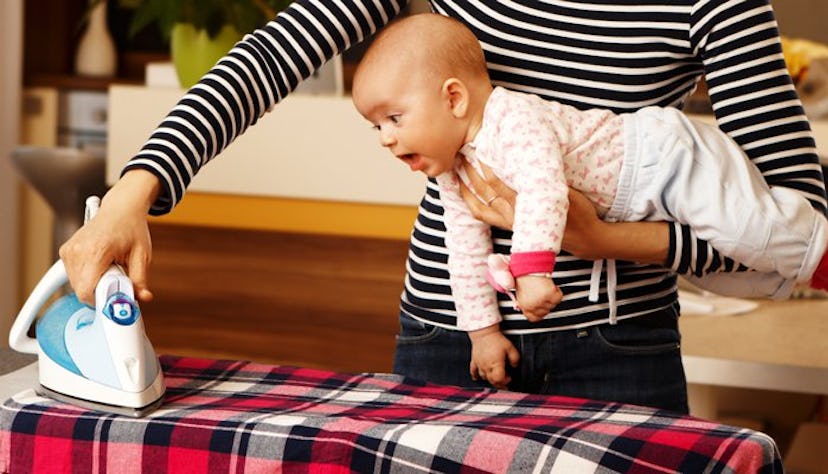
[231,416]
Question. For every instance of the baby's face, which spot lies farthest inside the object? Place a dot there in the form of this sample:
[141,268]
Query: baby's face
[413,119]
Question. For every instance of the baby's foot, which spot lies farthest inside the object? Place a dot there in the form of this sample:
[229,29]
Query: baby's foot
[500,277]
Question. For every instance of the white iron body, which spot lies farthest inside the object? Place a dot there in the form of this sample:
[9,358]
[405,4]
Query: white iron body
[99,357]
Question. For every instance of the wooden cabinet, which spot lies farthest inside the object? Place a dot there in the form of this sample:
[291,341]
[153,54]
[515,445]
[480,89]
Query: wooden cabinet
[300,299]
[50,34]
[52,29]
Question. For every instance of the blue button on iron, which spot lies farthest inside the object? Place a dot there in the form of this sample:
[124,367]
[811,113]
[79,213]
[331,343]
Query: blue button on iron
[121,309]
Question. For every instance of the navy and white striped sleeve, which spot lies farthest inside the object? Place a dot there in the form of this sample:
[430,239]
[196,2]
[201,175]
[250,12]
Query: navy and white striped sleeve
[755,104]
[253,77]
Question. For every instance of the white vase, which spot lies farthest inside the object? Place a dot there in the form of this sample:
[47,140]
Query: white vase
[96,55]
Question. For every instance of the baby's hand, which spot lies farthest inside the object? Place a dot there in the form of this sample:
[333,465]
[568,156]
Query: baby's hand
[490,351]
[536,296]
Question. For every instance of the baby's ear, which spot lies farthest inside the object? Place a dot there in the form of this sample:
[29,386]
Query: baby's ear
[457,95]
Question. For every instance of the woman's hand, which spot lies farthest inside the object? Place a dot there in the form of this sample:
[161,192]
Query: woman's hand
[496,202]
[582,224]
[118,234]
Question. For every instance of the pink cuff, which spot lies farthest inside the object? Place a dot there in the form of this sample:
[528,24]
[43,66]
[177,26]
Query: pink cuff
[524,263]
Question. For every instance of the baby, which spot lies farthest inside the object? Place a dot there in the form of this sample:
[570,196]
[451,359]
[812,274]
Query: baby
[424,85]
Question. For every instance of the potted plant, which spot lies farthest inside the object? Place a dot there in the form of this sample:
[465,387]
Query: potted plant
[200,32]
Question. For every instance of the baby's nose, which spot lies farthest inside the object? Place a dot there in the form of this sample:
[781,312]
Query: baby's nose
[386,138]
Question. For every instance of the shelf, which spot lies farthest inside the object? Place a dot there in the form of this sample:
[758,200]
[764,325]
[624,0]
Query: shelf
[66,82]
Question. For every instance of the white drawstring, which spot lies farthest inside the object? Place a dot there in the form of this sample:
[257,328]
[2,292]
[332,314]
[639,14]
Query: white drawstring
[612,285]
[595,280]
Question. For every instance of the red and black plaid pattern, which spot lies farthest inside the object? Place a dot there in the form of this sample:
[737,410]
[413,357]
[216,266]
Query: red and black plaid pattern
[241,417]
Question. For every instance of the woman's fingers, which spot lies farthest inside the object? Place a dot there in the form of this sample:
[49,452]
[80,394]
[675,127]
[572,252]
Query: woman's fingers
[118,234]
[497,186]
[489,199]
[85,261]
[137,272]
[478,209]
[481,187]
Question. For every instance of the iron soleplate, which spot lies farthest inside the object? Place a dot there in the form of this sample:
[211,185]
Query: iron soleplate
[100,406]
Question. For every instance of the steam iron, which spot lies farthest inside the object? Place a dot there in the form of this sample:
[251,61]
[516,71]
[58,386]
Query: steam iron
[98,358]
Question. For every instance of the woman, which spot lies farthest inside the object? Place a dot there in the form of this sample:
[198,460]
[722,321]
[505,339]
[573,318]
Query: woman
[584,53]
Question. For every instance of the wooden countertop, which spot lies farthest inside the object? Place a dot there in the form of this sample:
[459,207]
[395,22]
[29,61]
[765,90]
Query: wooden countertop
[791,332]
[781,345]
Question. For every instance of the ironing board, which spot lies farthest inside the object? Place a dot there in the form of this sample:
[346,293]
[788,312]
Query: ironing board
[235,416]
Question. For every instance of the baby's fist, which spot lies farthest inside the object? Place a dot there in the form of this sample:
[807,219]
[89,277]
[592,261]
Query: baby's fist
[537,296]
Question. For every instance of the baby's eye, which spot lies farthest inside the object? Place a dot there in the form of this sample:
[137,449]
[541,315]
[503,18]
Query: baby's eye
[394,119]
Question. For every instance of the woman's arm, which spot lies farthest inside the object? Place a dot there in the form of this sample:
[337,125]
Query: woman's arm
[585,236]
[250,80]
[755,104]
[588,237]
[255,75]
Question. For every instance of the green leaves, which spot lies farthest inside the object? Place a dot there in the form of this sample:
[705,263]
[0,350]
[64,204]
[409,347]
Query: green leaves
[209,15]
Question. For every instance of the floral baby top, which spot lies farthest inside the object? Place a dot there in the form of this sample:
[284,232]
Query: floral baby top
[538,148]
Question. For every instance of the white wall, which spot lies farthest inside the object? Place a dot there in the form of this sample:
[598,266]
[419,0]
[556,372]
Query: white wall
[11,39]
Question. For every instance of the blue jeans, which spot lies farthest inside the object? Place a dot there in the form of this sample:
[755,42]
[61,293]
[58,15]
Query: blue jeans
[637,361]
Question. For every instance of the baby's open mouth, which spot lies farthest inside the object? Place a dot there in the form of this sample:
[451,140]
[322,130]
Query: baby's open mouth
[413,161]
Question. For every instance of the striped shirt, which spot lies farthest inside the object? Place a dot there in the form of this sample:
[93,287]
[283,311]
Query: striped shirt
[615,54]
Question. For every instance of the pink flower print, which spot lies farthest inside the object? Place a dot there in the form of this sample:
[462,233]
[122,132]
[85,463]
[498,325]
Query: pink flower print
[541,182]
[607,179]
[475,244]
